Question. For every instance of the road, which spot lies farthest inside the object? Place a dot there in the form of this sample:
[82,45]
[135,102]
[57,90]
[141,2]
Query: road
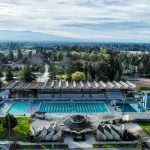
[45,76]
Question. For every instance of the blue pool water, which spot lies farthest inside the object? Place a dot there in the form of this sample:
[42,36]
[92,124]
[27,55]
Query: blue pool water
[131,107]
[19,108]
[74,108]
[148,101]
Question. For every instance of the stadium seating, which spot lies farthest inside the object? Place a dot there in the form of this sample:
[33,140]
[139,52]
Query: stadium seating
[114,94]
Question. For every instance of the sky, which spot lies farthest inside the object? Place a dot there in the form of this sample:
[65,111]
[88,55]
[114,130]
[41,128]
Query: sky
[106,20]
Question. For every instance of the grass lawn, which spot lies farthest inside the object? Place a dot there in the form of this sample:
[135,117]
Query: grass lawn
[20,131]
[145,88]
[146,127]
[114,145]
[43,146]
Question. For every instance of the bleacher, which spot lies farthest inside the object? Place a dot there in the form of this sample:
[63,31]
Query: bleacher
[75,95]
[114,94]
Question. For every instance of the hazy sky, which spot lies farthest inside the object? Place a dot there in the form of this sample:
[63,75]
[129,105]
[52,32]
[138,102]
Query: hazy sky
[123,20]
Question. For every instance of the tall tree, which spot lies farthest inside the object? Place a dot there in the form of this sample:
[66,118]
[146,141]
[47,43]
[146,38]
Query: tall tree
[59,56]
[1,83]
[10,56]
[9,75]
[3,59]
[26,74]
[19,55]
[9,122]
[1,73]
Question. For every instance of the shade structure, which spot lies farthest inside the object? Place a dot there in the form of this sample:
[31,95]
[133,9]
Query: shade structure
[54,84]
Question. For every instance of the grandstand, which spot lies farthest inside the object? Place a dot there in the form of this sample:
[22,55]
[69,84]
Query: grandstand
[115,94]
[72,90]
[72,97]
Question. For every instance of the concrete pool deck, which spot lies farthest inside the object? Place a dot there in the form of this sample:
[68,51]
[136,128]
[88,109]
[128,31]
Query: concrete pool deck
[35,106]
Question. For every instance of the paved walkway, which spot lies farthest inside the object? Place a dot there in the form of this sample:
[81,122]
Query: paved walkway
[90,140]
[45,76]
[85,144]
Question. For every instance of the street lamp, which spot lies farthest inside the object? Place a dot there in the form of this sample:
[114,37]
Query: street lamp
[123,106]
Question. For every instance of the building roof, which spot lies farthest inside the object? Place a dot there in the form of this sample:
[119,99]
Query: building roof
[77,122]
[70,85]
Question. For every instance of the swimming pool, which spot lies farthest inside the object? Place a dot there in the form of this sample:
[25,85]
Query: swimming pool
[74,108]
[148,102]
[18,108]
[130,107]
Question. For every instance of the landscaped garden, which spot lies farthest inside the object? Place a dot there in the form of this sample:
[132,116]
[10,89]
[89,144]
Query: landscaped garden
[146,127]
[19,132]
[114,145]
[145,88]
[61,146]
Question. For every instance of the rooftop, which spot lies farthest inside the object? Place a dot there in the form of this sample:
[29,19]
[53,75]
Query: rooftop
[70,85]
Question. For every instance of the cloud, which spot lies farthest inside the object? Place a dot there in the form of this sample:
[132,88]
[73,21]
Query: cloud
[96,19]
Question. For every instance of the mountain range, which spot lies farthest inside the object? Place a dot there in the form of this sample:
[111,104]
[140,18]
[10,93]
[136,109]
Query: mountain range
[6,35]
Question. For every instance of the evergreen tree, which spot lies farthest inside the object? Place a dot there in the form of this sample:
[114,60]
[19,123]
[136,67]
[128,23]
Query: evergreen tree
[26,74]
[59,56]
[10,56]
[9,75]
[1,73]
[19,55]
[1,83]
[9,122]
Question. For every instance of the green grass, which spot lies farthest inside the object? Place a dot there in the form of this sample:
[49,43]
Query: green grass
[20,131]
[144,88]
[114,145]
[42,146]
[146,127]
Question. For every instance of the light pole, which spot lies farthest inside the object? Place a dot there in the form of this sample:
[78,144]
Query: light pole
[30,103]
[123,107]
[122,125]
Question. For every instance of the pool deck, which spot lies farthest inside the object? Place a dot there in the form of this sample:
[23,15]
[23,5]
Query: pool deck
[35,106]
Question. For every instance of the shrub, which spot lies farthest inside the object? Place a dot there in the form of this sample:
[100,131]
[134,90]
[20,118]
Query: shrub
[78,76]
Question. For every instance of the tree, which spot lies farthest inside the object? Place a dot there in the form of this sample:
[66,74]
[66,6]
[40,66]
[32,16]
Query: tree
[3,59]
[14,146]
[101,70]
[75,56]
[9,75]
[19,55]
[76,66]
[10,56]
[26,74]
[1,83]
[78,76]
[9,122]
[85,56]
[93,57]
[67,77]
[1,73]
[59,56]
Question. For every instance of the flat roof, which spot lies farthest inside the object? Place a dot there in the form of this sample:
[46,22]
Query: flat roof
[18,85]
